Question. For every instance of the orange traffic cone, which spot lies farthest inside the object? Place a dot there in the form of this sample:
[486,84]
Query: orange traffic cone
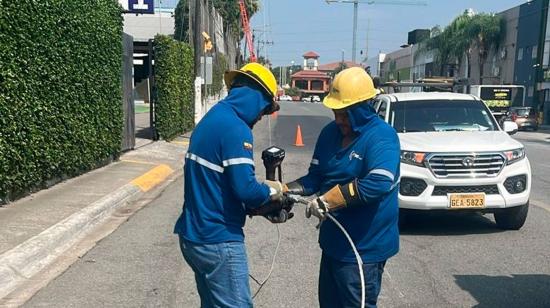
[299,142]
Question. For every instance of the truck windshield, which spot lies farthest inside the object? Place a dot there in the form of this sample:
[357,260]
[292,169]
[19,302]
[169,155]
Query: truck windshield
[441,116]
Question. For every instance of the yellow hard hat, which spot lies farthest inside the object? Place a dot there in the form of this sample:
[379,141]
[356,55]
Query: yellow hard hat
[258,73]
[350,86]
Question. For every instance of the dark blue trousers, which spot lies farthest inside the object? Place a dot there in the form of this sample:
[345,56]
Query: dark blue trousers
[340,283]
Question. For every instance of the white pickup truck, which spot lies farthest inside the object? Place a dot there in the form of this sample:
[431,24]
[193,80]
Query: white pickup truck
[454,156]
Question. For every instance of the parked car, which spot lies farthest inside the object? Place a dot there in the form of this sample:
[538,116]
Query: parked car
[524,117]
[312,99]
[285,98]
[454,156]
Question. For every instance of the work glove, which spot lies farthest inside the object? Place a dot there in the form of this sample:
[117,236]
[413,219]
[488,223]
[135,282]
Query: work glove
[317,207]
[272,209]
[294,188]
[275,190]
[279,217]
[338,197]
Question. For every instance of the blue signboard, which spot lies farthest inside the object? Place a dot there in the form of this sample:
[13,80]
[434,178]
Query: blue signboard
[140,6]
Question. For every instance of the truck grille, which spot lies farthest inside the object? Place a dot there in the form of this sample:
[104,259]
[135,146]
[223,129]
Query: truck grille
[466,165]
[444,190]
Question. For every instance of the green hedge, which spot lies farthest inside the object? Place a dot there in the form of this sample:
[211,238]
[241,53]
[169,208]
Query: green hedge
[220,66]
[60,90]
[174,75]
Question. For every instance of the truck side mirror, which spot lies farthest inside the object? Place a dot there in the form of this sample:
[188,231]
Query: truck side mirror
[510,127]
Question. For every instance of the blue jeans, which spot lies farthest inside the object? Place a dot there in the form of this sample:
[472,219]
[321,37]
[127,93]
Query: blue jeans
[221,273]
[340,283]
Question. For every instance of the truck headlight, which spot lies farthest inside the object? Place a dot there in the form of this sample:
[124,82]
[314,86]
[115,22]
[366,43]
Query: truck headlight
[514,155]
[413,158]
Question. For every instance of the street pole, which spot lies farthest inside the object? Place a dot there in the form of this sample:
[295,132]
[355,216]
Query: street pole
[197,37]
[160,16]
[355,9]
[367,50]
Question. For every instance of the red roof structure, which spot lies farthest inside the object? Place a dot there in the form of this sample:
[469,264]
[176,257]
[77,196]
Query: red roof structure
[310,74]
[329,67]
[311,54]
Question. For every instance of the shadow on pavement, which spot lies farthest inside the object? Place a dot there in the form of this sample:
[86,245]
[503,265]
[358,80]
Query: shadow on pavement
[144,133]
[507,291]
[446,223]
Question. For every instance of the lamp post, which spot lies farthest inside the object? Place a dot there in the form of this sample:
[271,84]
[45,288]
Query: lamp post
[290,72]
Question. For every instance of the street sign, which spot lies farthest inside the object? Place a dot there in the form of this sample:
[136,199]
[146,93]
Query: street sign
[138,6]
[206,70]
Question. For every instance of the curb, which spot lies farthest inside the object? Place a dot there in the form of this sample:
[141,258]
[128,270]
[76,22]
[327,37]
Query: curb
[22,262]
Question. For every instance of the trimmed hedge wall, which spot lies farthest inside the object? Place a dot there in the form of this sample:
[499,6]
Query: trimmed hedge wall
[60,90]
[174,90]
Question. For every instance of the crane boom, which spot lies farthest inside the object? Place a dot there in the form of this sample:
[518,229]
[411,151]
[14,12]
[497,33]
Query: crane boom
[246,29]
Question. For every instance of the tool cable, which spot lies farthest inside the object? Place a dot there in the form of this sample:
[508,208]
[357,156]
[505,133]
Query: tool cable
[261,284]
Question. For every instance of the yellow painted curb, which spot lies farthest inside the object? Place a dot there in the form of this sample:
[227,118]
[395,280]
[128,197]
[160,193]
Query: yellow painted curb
[180,142]
[137,162]
[153,177]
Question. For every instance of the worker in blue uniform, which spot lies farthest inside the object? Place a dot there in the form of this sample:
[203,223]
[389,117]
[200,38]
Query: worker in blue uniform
[355,172]
[221,189]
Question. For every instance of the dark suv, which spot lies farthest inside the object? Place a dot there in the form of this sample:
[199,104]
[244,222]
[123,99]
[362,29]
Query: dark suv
[525,117]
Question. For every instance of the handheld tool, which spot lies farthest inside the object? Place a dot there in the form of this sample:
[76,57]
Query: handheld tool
[273,158]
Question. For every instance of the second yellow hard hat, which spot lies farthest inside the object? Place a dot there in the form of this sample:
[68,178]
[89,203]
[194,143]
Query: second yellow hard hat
[350,86]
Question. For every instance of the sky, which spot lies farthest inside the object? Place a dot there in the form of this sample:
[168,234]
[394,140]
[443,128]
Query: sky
[298,26]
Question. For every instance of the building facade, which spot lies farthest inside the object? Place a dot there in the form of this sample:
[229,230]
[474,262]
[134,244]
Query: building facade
[310,80]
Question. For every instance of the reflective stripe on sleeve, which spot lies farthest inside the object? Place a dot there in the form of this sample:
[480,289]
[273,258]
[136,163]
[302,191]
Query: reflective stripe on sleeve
[315,162]
[383,172]
[238,161]
[394,185]
[203,162]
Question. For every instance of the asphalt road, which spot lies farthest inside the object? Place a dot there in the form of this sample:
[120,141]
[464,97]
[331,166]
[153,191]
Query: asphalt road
[445,260]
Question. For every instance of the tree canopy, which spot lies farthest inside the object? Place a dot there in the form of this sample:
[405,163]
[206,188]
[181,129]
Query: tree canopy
[228,9]
[467,33]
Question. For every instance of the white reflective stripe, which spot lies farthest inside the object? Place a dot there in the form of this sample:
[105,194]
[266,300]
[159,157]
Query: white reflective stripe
[204,162]
[394,185]
[314,161]
[238,161]
[383,172]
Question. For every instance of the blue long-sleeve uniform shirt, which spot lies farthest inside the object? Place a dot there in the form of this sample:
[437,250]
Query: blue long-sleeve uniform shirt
[219,171]
[373,160]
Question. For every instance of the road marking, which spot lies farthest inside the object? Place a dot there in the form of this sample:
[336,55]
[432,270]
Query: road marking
[180,142]
[153,177]
[540,204]
[138,162]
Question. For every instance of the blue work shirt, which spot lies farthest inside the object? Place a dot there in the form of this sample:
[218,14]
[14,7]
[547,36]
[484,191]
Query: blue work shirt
[219,176]
[373,160]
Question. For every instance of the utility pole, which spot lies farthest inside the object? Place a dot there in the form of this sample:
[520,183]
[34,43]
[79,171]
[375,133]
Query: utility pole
[354,46]
[367,49]
[197,38]
[356,8]
[160,16]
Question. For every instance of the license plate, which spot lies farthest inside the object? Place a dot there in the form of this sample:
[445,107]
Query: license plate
[467,201]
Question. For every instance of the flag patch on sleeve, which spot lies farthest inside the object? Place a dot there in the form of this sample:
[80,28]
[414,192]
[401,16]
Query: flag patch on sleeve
[247,146]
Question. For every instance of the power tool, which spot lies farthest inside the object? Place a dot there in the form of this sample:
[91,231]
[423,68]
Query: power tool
[273,158]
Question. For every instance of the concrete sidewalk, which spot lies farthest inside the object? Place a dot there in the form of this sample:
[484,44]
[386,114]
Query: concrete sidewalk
[38,229]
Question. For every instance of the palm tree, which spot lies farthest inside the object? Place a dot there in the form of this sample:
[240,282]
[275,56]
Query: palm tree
[467,33]
[441,45]
[486,33]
